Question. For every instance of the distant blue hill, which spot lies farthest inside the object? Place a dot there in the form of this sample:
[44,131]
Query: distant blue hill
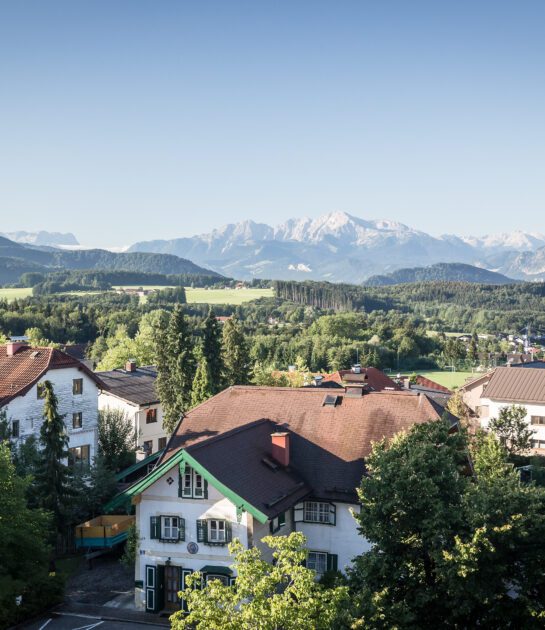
[447,272]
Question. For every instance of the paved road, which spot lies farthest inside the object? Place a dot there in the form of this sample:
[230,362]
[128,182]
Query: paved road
[66,621]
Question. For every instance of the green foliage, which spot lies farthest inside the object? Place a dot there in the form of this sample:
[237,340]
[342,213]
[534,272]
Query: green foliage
[24,553]
[52,475]
[131,547]
[511,428]
[282,595]
[202,385]
[117,438]
[211,348]
[236,357]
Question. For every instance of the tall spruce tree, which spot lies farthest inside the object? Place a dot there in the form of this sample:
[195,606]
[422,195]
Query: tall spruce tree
[236,357]
[211,349]
[202,386]
[53,475]
[175,368]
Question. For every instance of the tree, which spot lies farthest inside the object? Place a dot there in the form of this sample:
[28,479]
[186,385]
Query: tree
[117,438]
[211,349]
[236,357]
[175,368]
[24,551]
[53,475]
[512,429]
[202,386]
[265,596]
[410,512]
[458,408]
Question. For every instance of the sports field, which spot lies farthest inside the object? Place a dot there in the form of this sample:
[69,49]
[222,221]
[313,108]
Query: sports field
[447,378]
[225,296]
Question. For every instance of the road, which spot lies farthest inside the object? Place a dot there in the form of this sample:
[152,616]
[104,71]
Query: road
[67,621]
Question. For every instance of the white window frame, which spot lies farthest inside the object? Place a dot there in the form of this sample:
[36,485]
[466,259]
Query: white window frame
[170,528]
[314,560]
[193,484]
[217,530]
[317,512]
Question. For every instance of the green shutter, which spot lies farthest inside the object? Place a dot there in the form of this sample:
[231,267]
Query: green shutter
[181,528]
[160,589]
[154,527]
[332,514]
[180,484]
[202,531]
[205,489]
[332,560]
[228,532]
[281,519]
[151,588]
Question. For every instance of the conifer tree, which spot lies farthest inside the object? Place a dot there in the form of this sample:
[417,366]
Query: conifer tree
[202,386]
[236,357]
[211,349]
[175,368]
[53,475]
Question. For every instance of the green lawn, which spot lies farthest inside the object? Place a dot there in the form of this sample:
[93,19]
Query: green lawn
[447,378]
[12,294]
[225,296]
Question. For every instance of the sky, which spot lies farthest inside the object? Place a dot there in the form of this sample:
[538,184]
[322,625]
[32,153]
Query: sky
[127,120]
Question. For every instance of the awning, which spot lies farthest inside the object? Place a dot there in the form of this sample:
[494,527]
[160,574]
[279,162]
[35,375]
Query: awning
[216,570]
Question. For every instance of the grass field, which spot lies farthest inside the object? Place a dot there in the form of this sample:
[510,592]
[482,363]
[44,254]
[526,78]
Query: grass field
[225,296]
[447,378]
[12,294]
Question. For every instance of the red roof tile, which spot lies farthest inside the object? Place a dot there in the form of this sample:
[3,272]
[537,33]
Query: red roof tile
[373,377]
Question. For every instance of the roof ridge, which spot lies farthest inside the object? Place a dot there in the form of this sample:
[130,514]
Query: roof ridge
[223,436]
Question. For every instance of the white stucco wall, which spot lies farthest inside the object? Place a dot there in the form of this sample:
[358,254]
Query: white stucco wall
[494,407]
[137,414]
[28,409]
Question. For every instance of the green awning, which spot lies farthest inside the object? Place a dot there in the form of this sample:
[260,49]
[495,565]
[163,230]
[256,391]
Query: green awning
[216,570]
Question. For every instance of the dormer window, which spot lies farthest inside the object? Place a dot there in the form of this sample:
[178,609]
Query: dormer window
[319,512]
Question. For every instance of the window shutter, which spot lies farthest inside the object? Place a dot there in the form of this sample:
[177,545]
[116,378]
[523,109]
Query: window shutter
[181,528]
[180,484]
[332,560]
[228,532]
[202,530]
[154,526]
[281,519]
[332,514]
[205,486]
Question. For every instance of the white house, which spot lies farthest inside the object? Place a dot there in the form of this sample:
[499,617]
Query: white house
[524,386]
[258,460]
[132,390]
[22,371]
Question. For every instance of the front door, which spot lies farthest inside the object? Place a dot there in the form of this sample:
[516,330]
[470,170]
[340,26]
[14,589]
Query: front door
[172,586]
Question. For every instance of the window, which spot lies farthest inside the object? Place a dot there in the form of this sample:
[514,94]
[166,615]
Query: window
[77,386]
[278,522]
[77,420]
[167,528]
[317,561]
[15,428]
[148,447]
[161,443]
[222,578]
[318,512]
[40,391]
[484,411]
[538,420]
[216,531]
[79,456]
[192,485]
[151,416]
[538,443]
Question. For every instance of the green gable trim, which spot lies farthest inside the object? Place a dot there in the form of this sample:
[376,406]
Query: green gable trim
[182,457]
[239,502]
[216,570]
[136,466]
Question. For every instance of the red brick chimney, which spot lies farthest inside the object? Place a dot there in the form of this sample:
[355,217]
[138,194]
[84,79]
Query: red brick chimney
[13,347]
[130,365]
[281,448]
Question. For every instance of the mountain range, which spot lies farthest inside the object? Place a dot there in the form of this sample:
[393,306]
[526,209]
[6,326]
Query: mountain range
[339,247]
[450,272]
[51,239]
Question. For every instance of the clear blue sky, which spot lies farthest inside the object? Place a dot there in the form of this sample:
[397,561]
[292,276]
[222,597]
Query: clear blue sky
[124,120]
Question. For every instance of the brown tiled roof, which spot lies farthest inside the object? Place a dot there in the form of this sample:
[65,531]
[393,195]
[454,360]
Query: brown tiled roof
[373,377]
[512,385]
[429,384]
[252,474]
[329,443]
[137,387]
[18,373]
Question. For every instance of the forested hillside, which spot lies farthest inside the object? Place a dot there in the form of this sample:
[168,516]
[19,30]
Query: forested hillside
[441,272]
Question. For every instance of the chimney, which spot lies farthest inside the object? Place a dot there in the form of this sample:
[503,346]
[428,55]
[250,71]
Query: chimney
[406,383]
[356,368]
[354,390]
[281,448]
[318,380]
[13,347]
[130,365]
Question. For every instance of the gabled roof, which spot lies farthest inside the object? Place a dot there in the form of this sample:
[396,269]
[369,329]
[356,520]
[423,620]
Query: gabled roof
[328,443]
[512,385]
[136,387]
[427,383]
[18,373]
[375,379]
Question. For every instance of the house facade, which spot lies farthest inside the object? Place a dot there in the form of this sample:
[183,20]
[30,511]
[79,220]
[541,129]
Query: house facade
[23,369]
[132,391]
[255,461]
[525,387]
